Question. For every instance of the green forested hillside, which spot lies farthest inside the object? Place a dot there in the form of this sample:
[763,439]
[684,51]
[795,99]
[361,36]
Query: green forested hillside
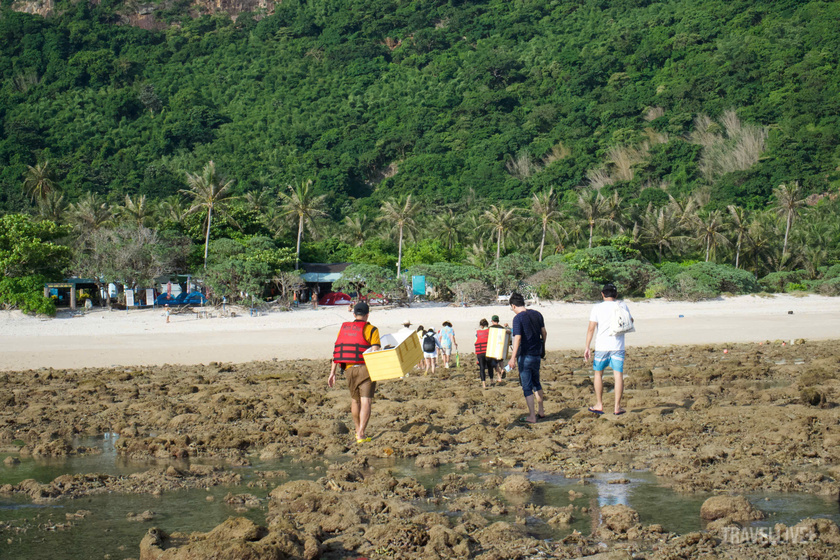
[566,142]
[451,95]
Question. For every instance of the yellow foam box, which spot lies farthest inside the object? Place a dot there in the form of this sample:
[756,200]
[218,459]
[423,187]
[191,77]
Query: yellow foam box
[498,342]
[394,362]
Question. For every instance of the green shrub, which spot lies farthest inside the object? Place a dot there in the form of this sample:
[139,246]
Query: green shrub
[27,294]
[633,277]
[512,272]
[444,275]
[830,287]
[366,278]
[562,282]
[687,287]
[720,278]
[707,280]
[595,262]
[473,291]
[776,281]
[795,287]
[657,289]
[829,272]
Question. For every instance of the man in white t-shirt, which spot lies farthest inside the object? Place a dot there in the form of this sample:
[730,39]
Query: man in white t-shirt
[609,349]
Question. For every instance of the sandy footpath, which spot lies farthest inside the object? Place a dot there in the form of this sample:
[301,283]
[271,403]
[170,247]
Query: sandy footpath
[103,338]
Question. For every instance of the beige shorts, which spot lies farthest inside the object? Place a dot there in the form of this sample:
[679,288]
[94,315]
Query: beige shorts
[359,383]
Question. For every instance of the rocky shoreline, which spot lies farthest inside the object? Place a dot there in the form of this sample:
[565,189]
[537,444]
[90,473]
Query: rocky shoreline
[758,418]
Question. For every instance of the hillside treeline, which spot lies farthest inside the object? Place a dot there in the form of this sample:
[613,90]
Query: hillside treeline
[680,149]
[372,98]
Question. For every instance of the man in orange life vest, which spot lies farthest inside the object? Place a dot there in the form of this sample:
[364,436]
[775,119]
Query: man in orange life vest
[353,339]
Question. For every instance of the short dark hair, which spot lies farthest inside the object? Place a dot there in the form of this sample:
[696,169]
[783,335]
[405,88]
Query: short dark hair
[609,290]
[361,309]
[483,323]
[517,300]
[447,324]
[421,329]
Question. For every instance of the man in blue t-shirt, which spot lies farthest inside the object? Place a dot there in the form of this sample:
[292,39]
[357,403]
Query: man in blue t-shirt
[528,350]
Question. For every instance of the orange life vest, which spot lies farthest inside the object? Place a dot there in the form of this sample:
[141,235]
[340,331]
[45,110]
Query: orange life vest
[351,343]
[481,341]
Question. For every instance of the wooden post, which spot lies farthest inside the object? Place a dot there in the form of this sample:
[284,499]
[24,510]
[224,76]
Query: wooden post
[46,292]
[73,297]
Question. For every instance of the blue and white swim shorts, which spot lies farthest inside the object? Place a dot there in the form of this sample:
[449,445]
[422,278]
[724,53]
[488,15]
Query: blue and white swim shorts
[612,358]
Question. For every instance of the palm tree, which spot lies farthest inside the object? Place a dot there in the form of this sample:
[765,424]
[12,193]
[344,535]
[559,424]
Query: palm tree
[593,207]
[209,191]
[356,229]
[39,181]
[301,203]
[661,229]
[400,214]
[684,211]
[562,235]
[448,225]
[613,215]
[544,206]
[276,220]
[709,230]
[739,219]
[788,202]
[138,210]
[52,207]
[477,254]
[762,229]
[91,213]
[258,201]
[171,208]
[500,221]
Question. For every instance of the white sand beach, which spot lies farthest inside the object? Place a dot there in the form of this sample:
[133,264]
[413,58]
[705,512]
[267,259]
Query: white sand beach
[142,337]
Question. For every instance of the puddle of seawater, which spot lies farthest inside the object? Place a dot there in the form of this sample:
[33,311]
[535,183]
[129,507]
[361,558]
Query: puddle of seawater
[107,531]
[790,509]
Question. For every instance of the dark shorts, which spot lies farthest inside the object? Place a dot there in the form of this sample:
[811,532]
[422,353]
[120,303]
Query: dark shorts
[359,383]
[529,374]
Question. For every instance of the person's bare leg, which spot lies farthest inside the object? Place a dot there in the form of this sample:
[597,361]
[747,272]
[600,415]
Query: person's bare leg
[619,390]
[529,400]
[355,407]
[538,397]
[434,365]
[428,364]
[599,390]
[364,416]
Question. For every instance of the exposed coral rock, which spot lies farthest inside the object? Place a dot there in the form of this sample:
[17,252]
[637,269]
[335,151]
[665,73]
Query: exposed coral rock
[737,508]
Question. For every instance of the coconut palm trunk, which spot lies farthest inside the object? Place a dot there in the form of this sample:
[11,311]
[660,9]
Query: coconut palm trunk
[542,241]
[498,247]
[738,250]
[207,236]
[788,223]
[299,237]
[399,253]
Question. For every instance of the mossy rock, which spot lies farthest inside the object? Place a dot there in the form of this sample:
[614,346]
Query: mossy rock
[812,396]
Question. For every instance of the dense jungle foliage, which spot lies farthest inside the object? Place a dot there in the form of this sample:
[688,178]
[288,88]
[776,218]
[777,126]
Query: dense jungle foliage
[700,130]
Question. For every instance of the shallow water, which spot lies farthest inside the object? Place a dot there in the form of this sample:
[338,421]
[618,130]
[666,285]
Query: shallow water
[106,531]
